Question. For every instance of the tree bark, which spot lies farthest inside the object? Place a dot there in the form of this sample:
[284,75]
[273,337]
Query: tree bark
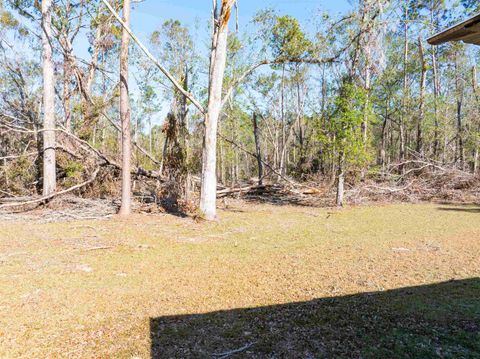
[477,101]
[256,134]
[49,160]
[368,73]
[435,104]
[126,205]
[67,93]
[423,82]
[460,152]
[208,195]
[283,124]
[341,180]
[405,91]
[383,142]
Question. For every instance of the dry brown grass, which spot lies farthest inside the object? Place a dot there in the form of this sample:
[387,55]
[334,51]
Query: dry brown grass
[90,289]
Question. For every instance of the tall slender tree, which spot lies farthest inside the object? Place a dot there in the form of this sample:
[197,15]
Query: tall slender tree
[423,84]
[126,205]
[49,160]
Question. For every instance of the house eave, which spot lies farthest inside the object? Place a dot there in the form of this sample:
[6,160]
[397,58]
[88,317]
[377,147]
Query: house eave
[467,31]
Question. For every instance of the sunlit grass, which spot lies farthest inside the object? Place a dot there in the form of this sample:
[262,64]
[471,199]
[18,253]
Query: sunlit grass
[86,289]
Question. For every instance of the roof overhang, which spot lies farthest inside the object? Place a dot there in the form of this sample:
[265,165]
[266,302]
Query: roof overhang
[467,31]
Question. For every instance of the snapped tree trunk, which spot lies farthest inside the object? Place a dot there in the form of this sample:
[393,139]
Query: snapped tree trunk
[218,57]
[49,161]
[126,205]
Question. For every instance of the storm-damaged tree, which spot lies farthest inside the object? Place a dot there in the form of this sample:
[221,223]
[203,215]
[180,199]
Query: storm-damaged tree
[221,17]
[218,56]
[177,53]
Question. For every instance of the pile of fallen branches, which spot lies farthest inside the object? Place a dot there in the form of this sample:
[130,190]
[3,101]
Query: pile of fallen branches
[421,180]
[286,192]
[411,181]
[93,163]
[65,208]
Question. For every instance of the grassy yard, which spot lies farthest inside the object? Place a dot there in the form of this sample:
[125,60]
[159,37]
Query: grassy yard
[269,281]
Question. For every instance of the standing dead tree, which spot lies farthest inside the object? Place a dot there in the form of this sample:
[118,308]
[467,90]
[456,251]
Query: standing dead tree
[218,57]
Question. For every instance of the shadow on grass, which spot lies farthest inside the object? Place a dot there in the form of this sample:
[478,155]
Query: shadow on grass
[432,321]
[465,209]
[289,200]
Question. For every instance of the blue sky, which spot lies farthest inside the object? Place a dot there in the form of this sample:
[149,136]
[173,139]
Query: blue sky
[148,15]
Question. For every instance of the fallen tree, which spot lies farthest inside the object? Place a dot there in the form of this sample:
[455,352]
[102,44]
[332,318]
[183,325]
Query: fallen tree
[422,178]
[44,199]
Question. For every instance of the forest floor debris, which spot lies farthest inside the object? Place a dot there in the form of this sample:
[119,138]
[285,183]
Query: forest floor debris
[295,281]
[422,180]
[62,209]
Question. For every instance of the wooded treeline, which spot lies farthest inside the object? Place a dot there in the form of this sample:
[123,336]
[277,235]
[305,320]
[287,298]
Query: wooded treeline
[340,100]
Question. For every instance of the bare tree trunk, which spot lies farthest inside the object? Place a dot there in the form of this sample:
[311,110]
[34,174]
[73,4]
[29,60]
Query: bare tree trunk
[366,110]
[435,104]
[341,180]
[135,139]
[423,82]
[235,176]
[65,37]
[323,120]
[301,127]
[367,104]
[460,153]
[164,153]
[67,92]
[477,100]
[405,92]
[460,148]
[49,161]
[475,161]
[236,163]
[276,150]
[126,205]
[223,176]
[256,133]
[95,55]
[208,195]
[150,135]
[183,117]
[384,141]
[284,150]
